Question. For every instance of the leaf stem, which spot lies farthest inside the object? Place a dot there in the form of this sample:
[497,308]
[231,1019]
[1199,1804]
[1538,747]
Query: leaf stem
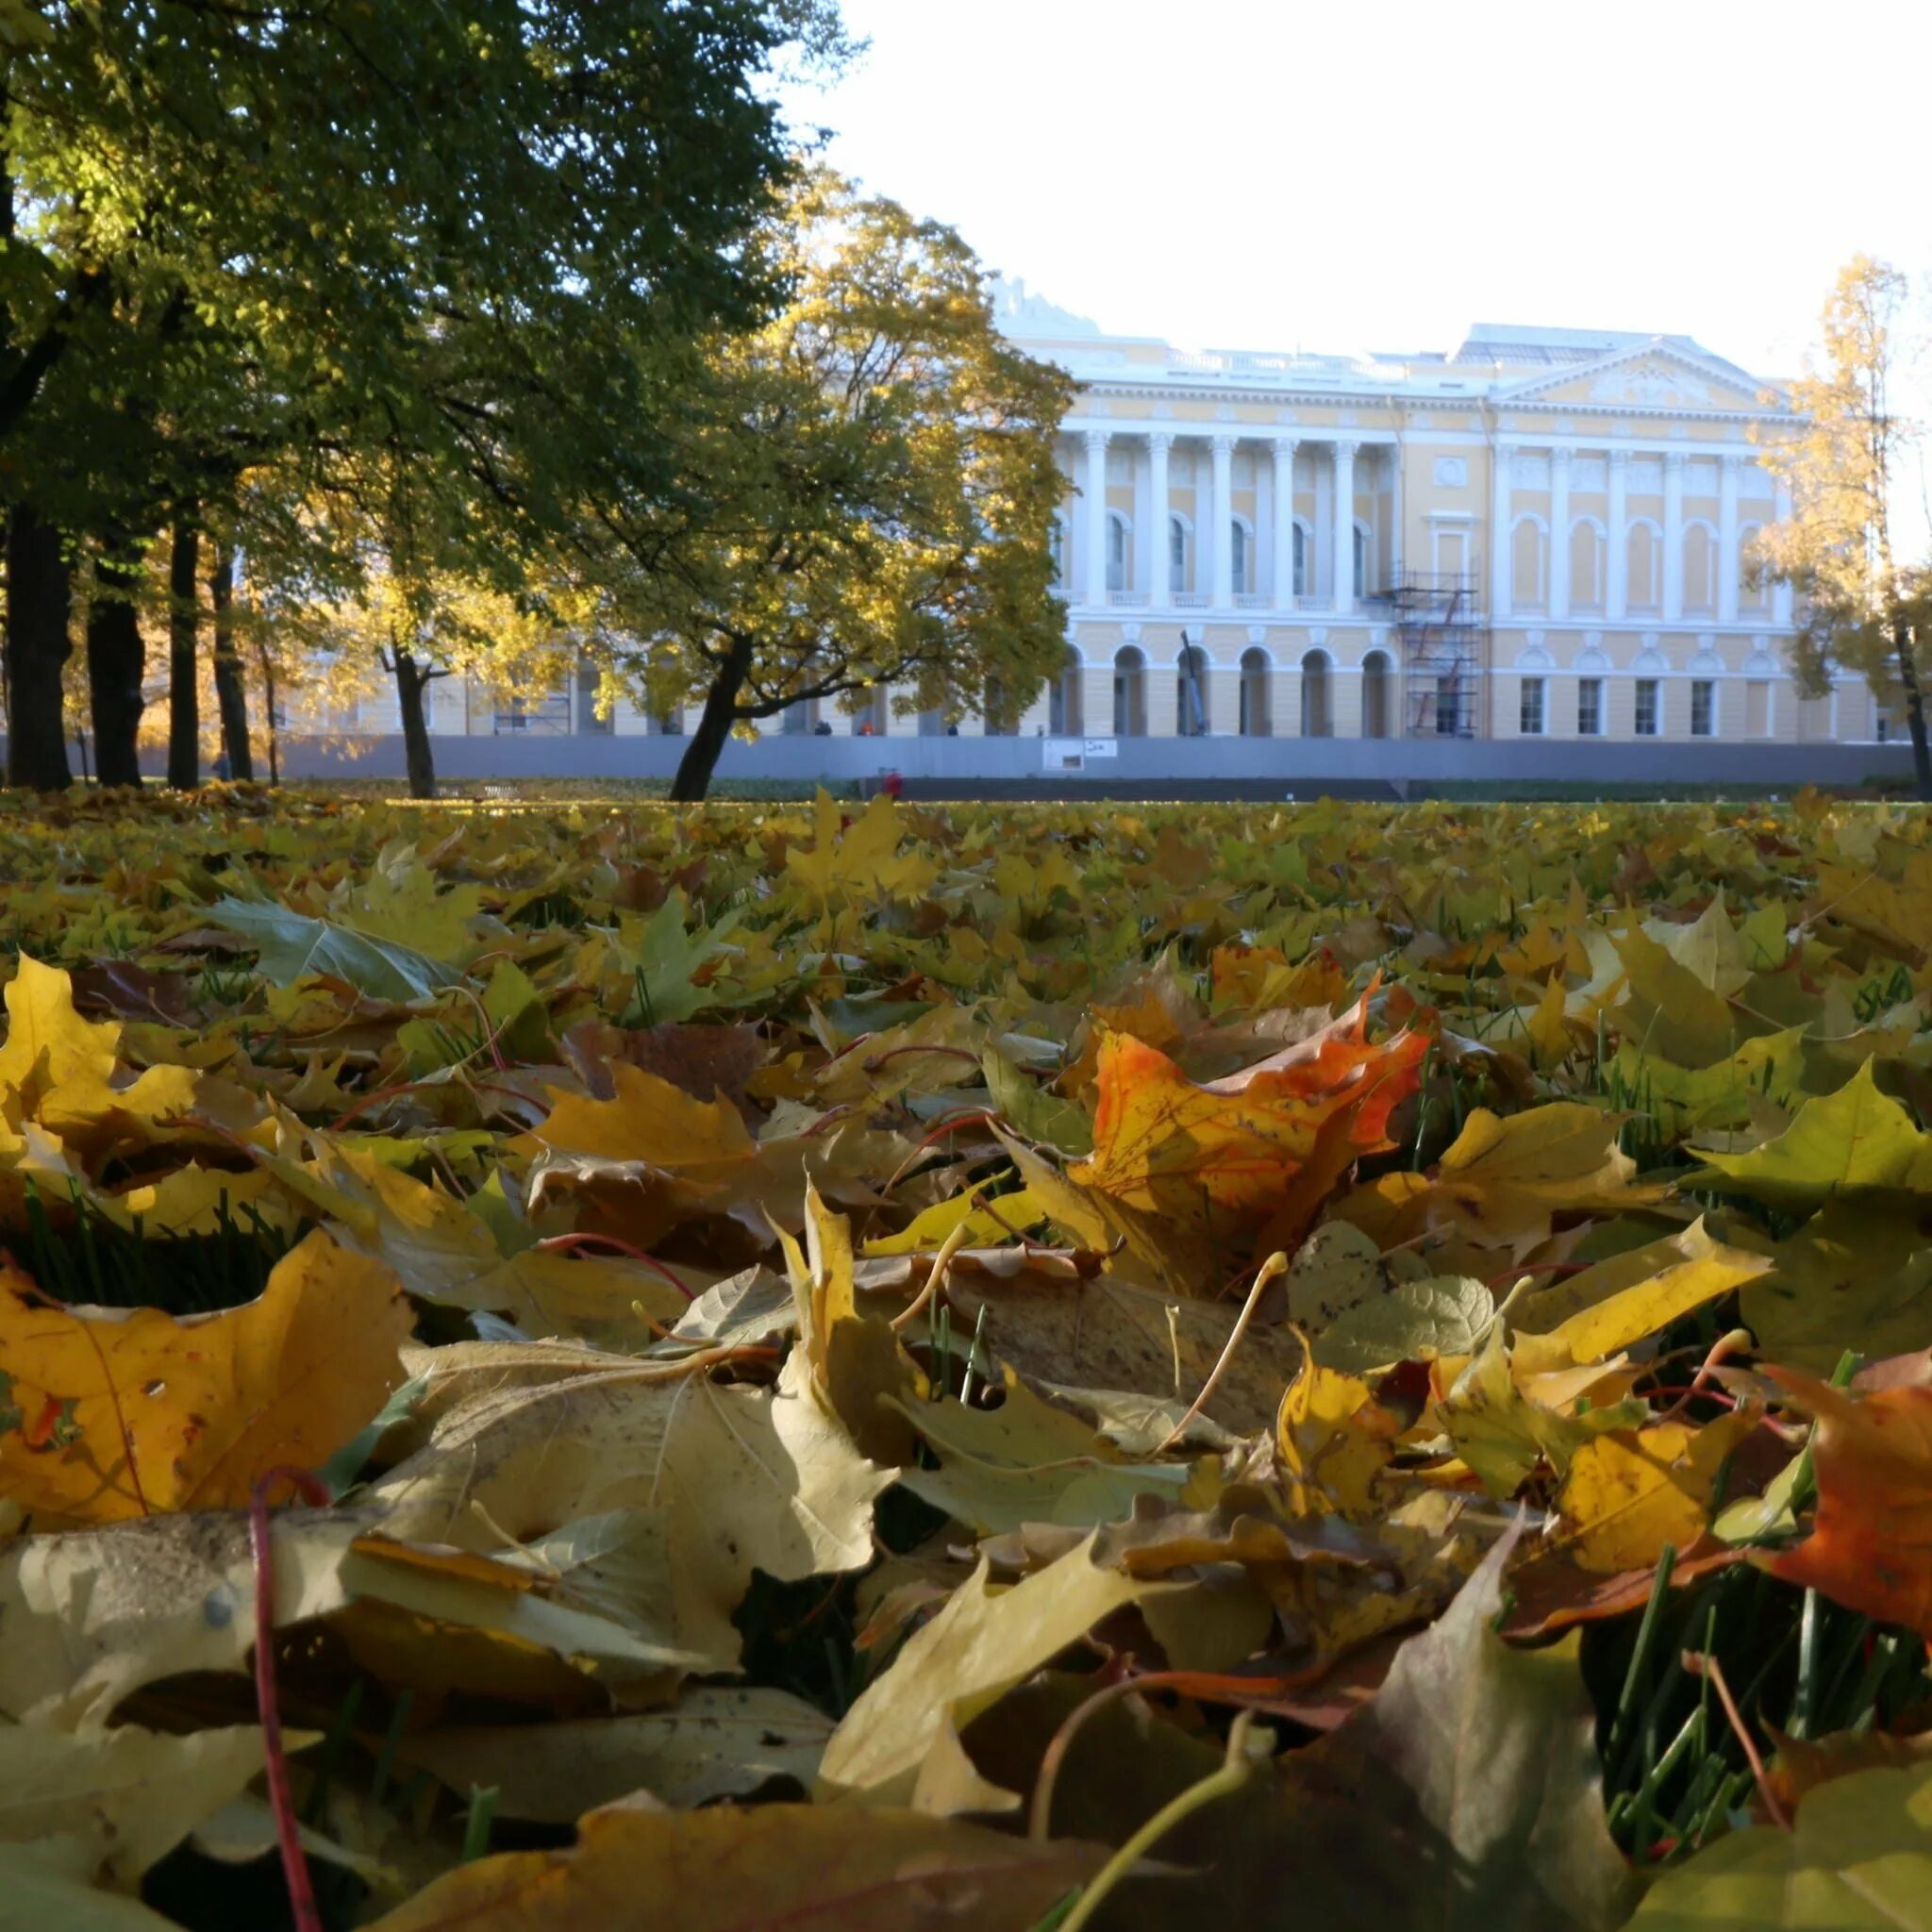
[1234,1772]
[1702,1663]
[1270,1270]
[302,1906]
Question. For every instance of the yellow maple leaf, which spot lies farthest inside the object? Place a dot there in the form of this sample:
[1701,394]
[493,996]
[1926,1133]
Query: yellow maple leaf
[109,1413]
[1630,1492]
[1334,1441]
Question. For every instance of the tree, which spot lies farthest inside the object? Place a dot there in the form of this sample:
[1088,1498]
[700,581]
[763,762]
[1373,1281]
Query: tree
[1862,605]
[418,613]
[184,652]
[231,699]
[866,489]
[275,234]
[39,641]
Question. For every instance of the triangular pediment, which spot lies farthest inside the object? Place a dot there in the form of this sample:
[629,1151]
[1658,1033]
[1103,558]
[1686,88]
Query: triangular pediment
[1649,375]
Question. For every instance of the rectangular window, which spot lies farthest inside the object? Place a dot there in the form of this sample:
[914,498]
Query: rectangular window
[1530,716]
[1884,730]
[550,713]
[1589,708]
[1702,707]
[1647,688]
[1758,707]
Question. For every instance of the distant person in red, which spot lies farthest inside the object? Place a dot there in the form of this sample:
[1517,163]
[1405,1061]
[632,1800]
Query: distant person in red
[892,786]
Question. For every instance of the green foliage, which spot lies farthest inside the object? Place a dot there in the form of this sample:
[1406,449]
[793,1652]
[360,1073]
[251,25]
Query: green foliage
[360,284]
[864,492]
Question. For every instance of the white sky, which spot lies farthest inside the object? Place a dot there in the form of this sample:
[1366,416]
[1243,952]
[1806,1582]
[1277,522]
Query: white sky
[1344,177]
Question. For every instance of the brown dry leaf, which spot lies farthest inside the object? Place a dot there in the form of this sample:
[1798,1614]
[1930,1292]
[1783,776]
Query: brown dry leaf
[1102,1346]
[840,1868]
[716,1742]
[110,1413]
[1549,1593]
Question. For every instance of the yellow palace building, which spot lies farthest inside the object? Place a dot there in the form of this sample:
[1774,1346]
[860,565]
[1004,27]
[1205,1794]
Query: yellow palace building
[1544,533]
[1528,559]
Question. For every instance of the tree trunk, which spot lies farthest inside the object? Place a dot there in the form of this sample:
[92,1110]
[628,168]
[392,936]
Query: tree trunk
[1904,646]
[115,665]
[707,741]
[413,680]
[184,656]
[39,604]
[268,706]
[231,699]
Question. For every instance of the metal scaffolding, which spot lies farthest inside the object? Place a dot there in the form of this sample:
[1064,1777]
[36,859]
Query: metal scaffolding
[1445,652]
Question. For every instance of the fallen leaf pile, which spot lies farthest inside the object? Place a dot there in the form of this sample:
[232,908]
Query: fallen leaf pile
[899,1368]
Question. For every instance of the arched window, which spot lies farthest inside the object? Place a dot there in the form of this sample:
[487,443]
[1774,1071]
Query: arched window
[1064,705]
[1700,570]
[1362,562]
[1191,691]
[1241,551]
[1257,720]
[1646,561]
[1529,563]
[1057,548]
[1178,547]
[1317,720]
[1129,692]
[1586,565]
[1375,695]
[1754,585]
[1116,551]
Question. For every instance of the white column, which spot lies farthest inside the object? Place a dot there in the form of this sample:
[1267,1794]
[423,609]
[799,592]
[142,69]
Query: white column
[1559,533]
[1673,536]
[1095,491]
[1157,543]
[1223,522]
[1781,593]
[1617,543]
[1727,559]
[1397,547]
[1203,529]
[1344,526]
[1501,463]
[1284,522]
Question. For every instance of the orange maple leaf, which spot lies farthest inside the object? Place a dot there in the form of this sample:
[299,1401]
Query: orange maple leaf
[1871,1541]
[1188,1169]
